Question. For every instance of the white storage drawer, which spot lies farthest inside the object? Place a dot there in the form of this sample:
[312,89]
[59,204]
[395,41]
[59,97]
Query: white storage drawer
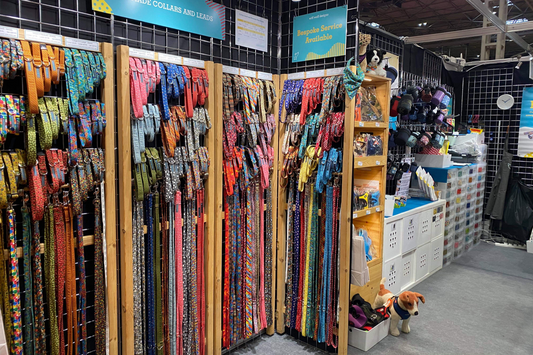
[392,272]
[438,222]
[392,240]
[436,254]
[422,257]
[425,220]
[408,267]
[409,232]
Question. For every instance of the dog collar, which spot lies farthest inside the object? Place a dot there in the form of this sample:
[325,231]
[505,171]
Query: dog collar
[401,312]
[370,67]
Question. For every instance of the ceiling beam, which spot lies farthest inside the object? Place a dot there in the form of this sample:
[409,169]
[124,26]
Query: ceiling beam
[473,32]
[485,11]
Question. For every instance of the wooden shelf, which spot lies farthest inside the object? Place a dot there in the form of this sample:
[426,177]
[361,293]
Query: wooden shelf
[368,162]
[371,124]
[367,212]
[372,80]
[87,240]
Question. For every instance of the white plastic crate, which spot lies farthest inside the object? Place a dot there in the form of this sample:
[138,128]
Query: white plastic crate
[435,261]
[468,245]
[408,267]
[452,174]
[392,240]
[460,199]
[459,235]
[425,220]
[422,257]
[448,240]
[392,272]
[438,222]
[409,232]
[462,172]
[365,340]
[481,168]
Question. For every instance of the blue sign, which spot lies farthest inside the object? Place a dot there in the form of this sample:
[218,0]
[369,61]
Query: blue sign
[525,133]
[319,35]
[201,16]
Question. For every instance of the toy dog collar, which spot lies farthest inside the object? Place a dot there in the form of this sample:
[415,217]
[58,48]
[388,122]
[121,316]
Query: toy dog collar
[401,312]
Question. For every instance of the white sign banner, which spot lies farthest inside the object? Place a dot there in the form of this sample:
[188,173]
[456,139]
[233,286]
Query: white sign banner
[251,31]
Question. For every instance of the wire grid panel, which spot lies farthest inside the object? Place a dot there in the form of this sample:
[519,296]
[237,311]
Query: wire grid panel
[76,19]
[16,87]
[483,87]
[291,9]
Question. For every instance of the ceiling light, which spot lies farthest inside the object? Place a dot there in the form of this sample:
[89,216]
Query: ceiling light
[373,24]
[518,65]
[419,25]
[425,23]
[296,0]
[477,56]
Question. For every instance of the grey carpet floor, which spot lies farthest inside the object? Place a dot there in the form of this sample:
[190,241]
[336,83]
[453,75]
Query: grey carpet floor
[480,304]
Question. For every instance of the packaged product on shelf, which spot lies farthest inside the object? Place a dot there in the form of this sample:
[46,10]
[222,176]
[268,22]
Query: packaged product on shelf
[365,194]
[370,106]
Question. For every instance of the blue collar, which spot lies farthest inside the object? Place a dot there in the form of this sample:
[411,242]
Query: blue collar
[401,312]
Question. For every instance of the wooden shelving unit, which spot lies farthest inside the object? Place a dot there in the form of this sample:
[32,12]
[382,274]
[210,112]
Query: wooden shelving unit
[126,199]
[217,263]
[373,168]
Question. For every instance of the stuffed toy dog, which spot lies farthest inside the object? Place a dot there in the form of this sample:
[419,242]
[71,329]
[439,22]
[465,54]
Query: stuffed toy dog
[376,65]
[401,307]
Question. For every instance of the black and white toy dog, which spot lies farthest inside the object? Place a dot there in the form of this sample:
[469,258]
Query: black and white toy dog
[376,64]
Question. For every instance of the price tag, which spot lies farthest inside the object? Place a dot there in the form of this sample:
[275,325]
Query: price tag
[197,63]
[141,53]
[360,163]
[230,70]
[295,76]
[37,36]
[82,44]
[355,215]
[9,32]
[264,76]
[315,74]
[378,209]
[367,211]
[361,124]
[377,124]
[169,58]
[250,73]
[335,71]
[377,162]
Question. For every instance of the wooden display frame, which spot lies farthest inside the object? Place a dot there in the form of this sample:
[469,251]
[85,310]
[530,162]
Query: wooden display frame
[108,98]
[372,168]
[219,213]
[350,167]
[126,198]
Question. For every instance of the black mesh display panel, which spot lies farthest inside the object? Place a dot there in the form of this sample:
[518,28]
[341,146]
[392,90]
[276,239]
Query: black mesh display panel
[483,86]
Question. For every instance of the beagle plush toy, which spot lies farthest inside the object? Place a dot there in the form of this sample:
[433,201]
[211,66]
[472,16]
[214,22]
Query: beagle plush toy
[400,307]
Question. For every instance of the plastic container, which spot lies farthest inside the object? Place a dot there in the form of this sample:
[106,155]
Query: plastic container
[459,209]
[471,179]
[457,252]
[469,222]
[460,198]
[450,203]
[462,172]
[470,196]
[447,255]
[450,214]
[449,222]
[477,237]
[469,245]
[469,213]
[448,193]
[451,184]
[472,170]
[459,226]
[479,202]
[450,230]
[469,204]
[478,210]
[449,240]
[452,174]
[365,340]
[459,216]
[459,234]
[481,168]
[472,187]
[469,237]
[459,190]
[461,182]
[479,193]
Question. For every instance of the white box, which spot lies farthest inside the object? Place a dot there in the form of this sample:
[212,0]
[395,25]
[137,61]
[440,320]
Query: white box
[392,240]
[365,340]
[529,244]
[422,257]
[437,248]
[392,272]
[425,222]
[408,267]
[409,232]
[433,161]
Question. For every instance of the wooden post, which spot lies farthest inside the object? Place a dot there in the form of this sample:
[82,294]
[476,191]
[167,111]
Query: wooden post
[108,97]
[125,199]
[281,228]
[345,223]
[213,205]
[275,183]
[216,263]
